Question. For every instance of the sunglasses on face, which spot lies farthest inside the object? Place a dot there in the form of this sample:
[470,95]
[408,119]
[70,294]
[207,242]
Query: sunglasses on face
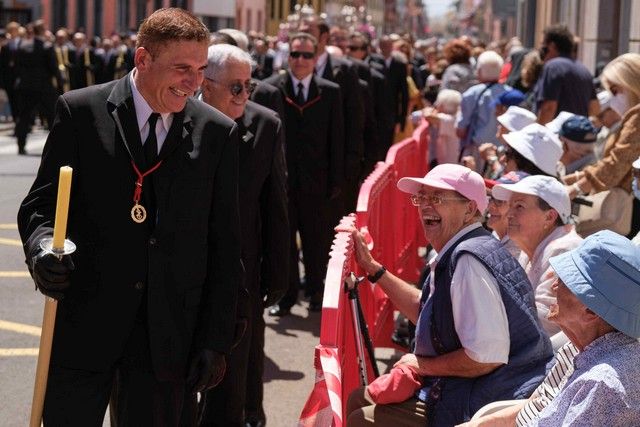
[236,88]
[305,55]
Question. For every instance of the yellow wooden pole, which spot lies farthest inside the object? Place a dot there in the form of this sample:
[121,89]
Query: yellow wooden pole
[51,305]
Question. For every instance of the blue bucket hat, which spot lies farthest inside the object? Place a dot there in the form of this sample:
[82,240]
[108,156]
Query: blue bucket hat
[604,273]
[509,98]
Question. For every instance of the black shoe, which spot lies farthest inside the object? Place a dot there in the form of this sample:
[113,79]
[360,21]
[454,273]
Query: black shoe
[278,311]
[315,306]
[254,423]
[22,151]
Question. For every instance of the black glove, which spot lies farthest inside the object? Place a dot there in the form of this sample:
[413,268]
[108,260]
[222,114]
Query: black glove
[205,371]
[270,298]
[51,274]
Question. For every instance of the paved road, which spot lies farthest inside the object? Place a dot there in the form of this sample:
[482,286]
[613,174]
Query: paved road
[289,373]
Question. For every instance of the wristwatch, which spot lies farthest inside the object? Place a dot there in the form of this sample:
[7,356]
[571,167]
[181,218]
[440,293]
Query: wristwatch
[373,278]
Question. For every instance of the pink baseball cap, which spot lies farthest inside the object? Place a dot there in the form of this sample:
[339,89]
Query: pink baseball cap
[450,176]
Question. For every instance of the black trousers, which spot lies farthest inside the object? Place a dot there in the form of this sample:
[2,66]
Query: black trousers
[30,102]
[80,398]
[240,393]
[311,215]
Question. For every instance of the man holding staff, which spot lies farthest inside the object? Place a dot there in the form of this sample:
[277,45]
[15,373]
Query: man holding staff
[148,299]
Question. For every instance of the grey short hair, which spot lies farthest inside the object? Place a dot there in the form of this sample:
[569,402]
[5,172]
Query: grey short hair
[449,100]
[241,38]
[221,54]
[490,64]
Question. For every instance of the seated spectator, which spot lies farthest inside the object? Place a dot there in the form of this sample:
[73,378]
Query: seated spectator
[477,336]
[477,122]
[443,119]
[497,219]
[539,215]
[534,150]
[578,137]
[556,124]
[598,287]
[620,77]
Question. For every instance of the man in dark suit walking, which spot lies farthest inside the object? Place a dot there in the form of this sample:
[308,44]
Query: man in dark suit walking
[342,72]
[263,59]
[263,224]
[149,300]
[396,74]
[315,161]
[36,69]
[8,66]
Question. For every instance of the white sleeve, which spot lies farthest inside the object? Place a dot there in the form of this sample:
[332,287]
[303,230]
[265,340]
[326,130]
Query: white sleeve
[478,312]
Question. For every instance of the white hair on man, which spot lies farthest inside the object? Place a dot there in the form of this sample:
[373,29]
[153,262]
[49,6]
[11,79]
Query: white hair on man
[241,38]
[489,66]
[220,54]
[448,101]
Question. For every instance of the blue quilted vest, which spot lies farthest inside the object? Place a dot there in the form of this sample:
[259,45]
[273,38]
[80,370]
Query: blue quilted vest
[453,400]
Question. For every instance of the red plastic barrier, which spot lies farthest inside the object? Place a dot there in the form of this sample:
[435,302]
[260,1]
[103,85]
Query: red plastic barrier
[335,361]
[386,215]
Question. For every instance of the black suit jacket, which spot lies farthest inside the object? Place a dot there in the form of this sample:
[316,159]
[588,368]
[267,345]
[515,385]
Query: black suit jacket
[314,136]
[8,64]
[264,66]
[95,68]
[343,73]
[36,66]
[188,261]
[269,96]
[263,198]
[396,75]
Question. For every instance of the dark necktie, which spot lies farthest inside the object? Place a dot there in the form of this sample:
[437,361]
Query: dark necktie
[151,143]
[300,95]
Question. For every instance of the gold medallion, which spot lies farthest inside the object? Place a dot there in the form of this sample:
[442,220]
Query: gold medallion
[138,213]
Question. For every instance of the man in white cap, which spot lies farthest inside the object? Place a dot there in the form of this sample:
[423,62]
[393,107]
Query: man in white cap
[477,336]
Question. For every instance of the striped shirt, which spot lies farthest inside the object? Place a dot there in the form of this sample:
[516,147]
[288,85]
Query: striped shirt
[550,387]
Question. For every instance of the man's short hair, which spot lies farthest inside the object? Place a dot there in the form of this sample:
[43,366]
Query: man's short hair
[304,36]
[490,64]
[222,38]
[358,36]
[561,36]
[170,25]
[221,54]
[242,41]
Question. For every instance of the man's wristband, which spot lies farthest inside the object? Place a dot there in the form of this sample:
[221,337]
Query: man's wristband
[373,278]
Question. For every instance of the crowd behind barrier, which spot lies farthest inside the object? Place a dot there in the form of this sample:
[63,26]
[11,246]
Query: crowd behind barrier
[389,221]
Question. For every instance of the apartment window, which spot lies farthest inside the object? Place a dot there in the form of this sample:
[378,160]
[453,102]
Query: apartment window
[97,17]
[123,16]
[249,24]
[81,16]
[59,11]
[141,11]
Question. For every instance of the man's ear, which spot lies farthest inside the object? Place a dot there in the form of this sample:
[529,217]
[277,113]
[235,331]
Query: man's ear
[550,217]
[142,58]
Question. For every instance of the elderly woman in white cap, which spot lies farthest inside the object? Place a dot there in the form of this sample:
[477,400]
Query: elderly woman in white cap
[596,379]
[443,117]
[539,222]
[534,149]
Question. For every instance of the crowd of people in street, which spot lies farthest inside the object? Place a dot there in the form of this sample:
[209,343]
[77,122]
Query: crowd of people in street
[232,156]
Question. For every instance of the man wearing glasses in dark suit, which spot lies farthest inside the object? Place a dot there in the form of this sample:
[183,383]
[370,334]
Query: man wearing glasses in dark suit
[315,161]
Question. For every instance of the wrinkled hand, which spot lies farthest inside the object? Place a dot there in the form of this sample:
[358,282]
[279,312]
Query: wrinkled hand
[410,360]
[205,371]
[51,274]
[363,255]
[487,150]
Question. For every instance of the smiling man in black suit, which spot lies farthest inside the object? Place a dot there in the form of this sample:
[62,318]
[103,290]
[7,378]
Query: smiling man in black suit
[145,303]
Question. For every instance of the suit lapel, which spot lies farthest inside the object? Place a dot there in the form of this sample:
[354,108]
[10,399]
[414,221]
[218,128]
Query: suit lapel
[328,71]
[123,112]
[180,129]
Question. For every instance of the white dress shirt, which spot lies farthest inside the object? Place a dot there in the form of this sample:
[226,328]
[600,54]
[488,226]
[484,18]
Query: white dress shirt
[143,111]
[479,315]
[306,82]
[321,64]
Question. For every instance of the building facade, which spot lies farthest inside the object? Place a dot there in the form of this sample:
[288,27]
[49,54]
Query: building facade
[606,28]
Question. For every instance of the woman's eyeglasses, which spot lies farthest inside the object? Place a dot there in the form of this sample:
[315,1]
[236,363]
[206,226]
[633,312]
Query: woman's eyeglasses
[433,200]
[305,55]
